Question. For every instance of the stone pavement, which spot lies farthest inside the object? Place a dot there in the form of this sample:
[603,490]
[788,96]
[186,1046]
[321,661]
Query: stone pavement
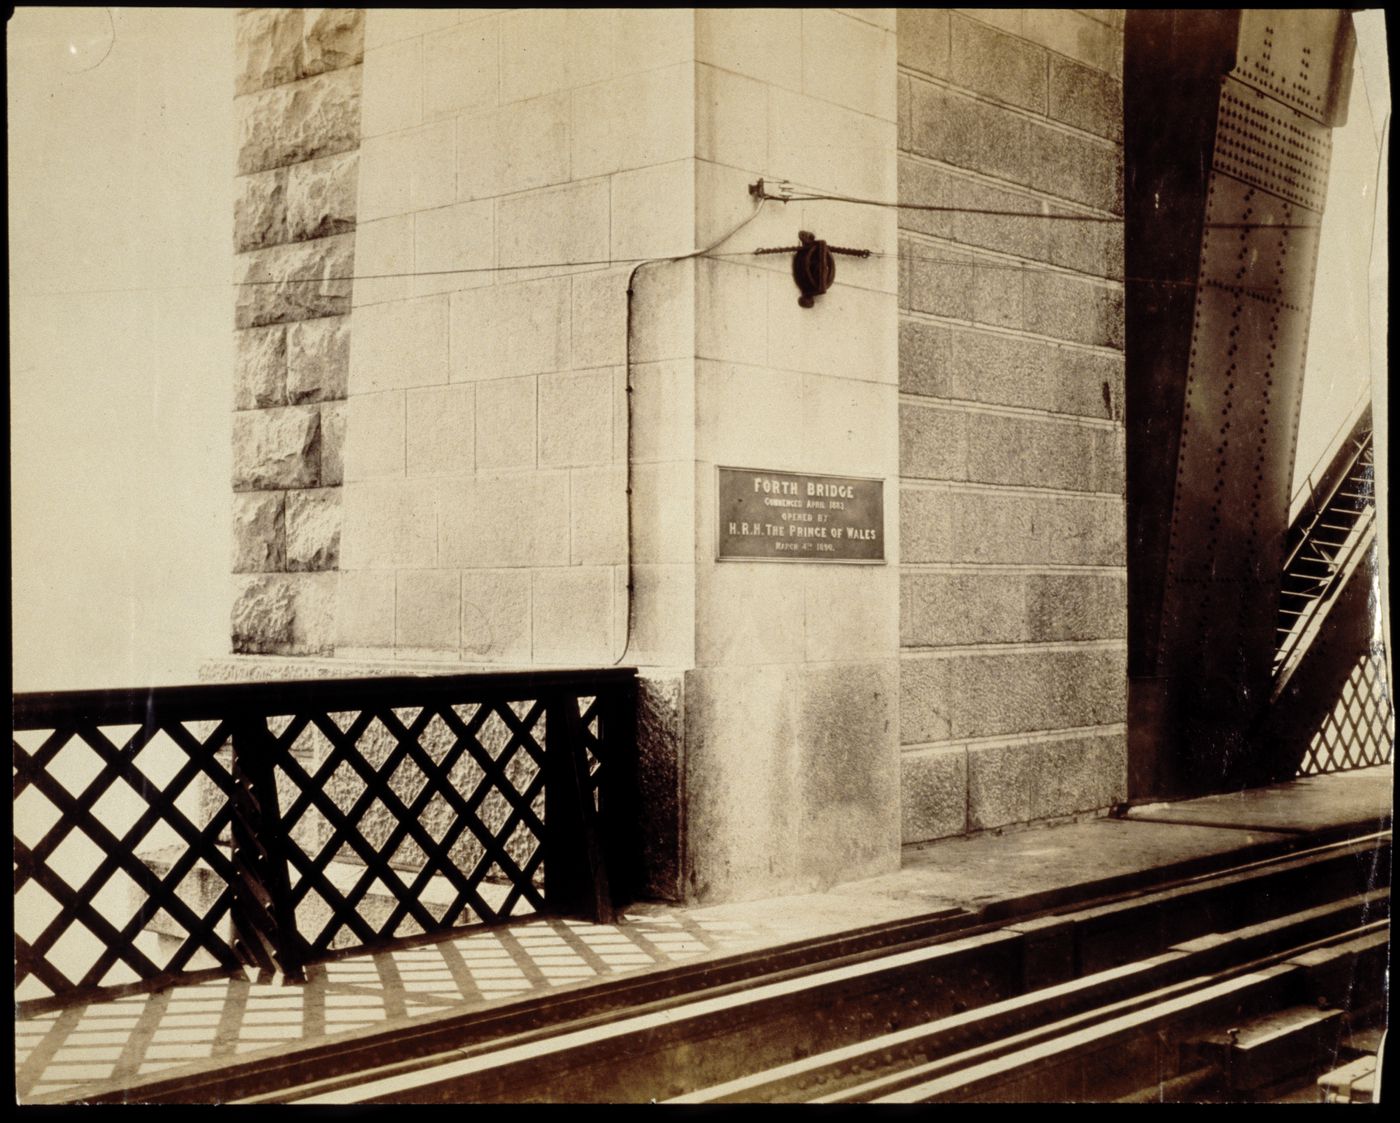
[61,1054]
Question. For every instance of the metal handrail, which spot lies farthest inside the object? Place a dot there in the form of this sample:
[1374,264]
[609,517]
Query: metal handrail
[1289,653]
[1363,444]
[1359,408]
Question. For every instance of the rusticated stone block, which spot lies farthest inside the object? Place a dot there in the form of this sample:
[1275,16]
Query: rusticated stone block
[958,444]
[303,120]
[1074,606]
[321,197]
[958,696]
[1004,67]
[268,48]
[318,359]
[933,793]
[1071,308]
[262,615]
[948,362]
[260,210]
[1094,43]
[660,740]
[1077,774]
[1023,782]
[1010,527]
[922,35]
[313,529]
[1089,247]
[259,377]
[966,133]
[299,281]
[332,38]
[332,444]
[276,448]
[944,609]
[284,613]
[1086,98]
[259,544]
[1025,237]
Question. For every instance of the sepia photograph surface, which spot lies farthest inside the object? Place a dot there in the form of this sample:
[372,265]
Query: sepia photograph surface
[700,555]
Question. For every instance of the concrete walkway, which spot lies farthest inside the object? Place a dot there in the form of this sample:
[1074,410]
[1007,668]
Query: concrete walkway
[68,1054]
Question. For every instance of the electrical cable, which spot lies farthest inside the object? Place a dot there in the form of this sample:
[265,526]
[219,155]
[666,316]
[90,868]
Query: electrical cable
[938,208]
[627,372]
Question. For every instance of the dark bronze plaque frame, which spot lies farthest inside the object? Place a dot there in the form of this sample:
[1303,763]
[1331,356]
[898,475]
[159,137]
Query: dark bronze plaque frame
[870,512]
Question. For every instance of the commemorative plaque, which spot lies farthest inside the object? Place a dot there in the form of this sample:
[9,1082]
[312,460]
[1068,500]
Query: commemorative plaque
[800,516]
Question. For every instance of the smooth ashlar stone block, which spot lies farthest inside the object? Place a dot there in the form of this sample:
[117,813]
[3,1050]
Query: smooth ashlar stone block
[332,38]
[260,365]
[313,529]
[428,613]
[496,615]
[332,443]
[575,418]
[364,613]
[268,47]
[276,448]
[287,124]
[321,196]
[318,359]
[298,281]
[259,543]
[260,210]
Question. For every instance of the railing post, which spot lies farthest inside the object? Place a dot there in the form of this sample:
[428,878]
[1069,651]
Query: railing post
[575,876]
[264,921]
[619,800]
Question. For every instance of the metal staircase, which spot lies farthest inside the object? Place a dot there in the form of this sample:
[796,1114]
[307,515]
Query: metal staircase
[1331,707]
[1327,539]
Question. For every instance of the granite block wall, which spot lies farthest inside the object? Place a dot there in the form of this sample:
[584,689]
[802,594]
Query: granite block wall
[297,108]
[1013,581]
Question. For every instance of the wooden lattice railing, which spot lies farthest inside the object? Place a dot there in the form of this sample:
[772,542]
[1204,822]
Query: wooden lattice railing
[167,832]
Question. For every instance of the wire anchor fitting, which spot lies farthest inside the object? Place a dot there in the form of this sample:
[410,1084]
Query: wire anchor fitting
[813,264]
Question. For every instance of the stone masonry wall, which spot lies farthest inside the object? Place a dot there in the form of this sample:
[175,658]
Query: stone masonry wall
[508,157]
[297,100]
[1013,583]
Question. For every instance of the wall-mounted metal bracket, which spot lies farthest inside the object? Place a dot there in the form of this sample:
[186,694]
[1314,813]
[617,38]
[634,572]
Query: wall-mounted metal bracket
[813,264]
